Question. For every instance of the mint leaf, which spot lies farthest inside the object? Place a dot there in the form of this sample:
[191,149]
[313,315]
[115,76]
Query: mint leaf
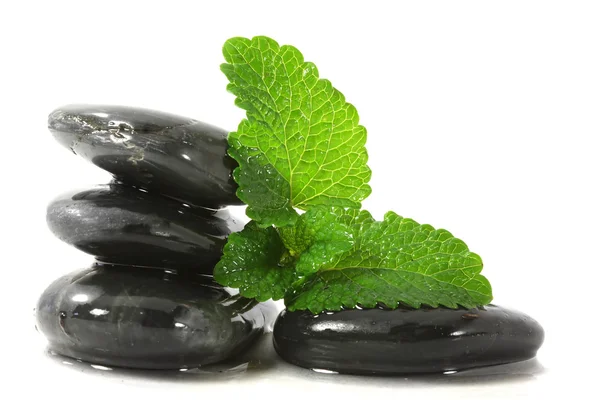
[333,231]
[298,237]
[301,148]
[396,261]
[353,217]
[254,261]
[331,224]
[316,237]
[301,144]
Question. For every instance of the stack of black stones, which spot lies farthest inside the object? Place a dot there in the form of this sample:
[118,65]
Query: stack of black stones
[156,232]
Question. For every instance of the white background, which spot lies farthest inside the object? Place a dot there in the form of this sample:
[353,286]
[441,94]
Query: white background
[482,118]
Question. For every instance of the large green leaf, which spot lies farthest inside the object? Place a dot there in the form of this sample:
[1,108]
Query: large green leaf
[396,261]
[301,144]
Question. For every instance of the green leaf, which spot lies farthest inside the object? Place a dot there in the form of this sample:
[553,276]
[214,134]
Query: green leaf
[298,237]
[333,232]
[323,224]
[301,144]
[253,261]
[396,261]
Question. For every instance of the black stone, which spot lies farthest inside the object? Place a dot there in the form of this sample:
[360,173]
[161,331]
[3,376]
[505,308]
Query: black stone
[123,225]
[403,341]
[146,318]
[161,152]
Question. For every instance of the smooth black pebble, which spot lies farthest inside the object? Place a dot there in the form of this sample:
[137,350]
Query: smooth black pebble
[403,341]
[123,225]
[146,318]
[164,153]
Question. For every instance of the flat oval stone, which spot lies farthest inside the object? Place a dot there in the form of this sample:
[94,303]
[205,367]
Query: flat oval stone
[403,341]
[145,318]
[161,152]
[123,225]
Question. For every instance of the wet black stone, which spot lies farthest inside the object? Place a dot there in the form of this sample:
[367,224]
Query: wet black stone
[123,225]
[146,318]
[161,152]
[402,341]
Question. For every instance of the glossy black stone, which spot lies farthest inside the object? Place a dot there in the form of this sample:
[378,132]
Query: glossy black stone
[403,341]
[161,152]
[146,318]
[123,225]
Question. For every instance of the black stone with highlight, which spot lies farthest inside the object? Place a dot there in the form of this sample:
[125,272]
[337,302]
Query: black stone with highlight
[405,341]
[164,153]
[146,318]
[123,225]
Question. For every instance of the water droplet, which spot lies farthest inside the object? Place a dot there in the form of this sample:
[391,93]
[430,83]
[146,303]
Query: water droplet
[62,318]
